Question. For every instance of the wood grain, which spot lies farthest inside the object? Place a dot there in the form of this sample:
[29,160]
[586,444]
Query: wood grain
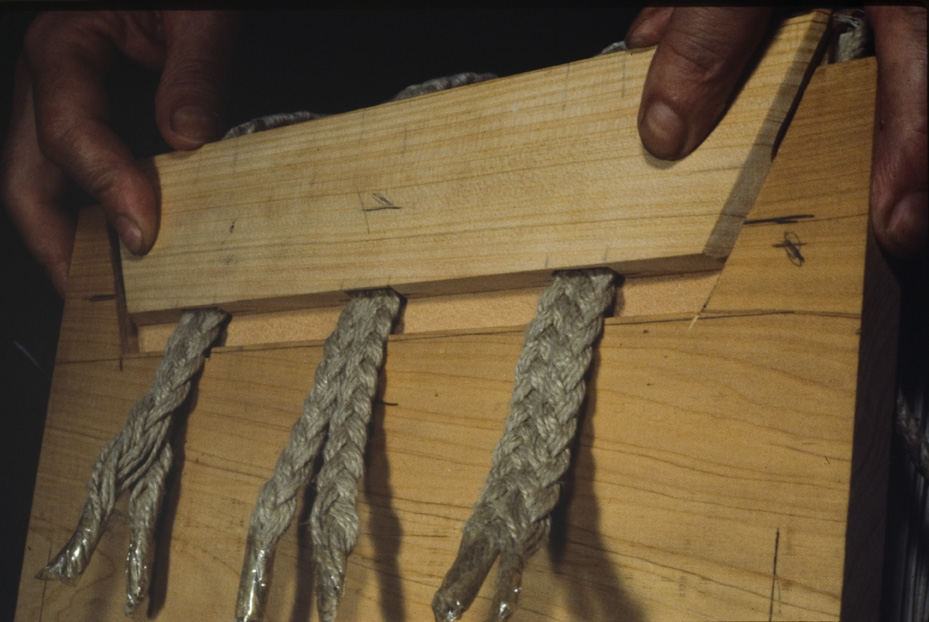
[679,294]
[827,221]
[712,476]
[491,186]
[90,319]
[661,518]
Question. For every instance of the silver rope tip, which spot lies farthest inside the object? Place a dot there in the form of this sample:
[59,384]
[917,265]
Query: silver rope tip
[329,586]
[446,609]
[505,602]
[253,583]
[133,600]
[138,570]
[70,562]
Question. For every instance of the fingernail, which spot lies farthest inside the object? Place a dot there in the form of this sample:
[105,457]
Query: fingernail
[196,123]
[130,233]
[907,225]
[662,131]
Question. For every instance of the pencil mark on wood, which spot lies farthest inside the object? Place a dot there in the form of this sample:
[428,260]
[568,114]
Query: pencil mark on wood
[789,219]
[382,203]
[101,297]
[565,89]
[364,212]
[791,246]
[623,95]
[232,226]
[777,545]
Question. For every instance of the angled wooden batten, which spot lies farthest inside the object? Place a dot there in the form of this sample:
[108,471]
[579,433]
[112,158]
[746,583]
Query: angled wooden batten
[479,188]
[718,472]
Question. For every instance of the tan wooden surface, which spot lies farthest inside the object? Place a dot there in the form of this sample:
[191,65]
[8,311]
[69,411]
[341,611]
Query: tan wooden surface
[485,187]
[710,481]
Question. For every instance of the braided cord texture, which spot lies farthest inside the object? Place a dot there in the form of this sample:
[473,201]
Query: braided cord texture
[138,458]
[338,407]
[511,517]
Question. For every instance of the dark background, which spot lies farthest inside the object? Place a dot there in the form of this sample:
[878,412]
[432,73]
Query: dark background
[323,61]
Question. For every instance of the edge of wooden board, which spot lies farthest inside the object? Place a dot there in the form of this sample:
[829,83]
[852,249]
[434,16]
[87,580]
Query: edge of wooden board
[682,247]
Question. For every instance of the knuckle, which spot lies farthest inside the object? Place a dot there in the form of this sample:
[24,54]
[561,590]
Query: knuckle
[698,56]
[194,75]
[56,133]
[42,29]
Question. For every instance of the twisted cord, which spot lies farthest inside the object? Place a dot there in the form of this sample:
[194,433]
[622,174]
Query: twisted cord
[915,438]
[144,505]
[138,459]
[511,517]
[270,122]
[334,518]
[851,35]
[340,402]
[442,84]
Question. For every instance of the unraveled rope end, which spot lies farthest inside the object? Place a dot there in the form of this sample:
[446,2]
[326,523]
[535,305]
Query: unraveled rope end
[253,583]
[509,583]
[511,518]
[329,583]
[138,458]
[144,506]
[70,562]
[138,571]
[478,550]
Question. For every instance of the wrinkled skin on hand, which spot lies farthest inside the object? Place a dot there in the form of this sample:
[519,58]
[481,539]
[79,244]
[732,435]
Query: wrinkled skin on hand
[59,129]
[701,55]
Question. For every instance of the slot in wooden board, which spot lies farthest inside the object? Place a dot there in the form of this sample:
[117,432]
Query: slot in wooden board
[485,187]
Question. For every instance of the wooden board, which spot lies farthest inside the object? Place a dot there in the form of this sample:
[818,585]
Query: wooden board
[712,478]
[490,186]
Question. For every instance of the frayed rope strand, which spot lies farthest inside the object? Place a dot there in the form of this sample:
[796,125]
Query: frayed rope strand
[511,517]
[138,459]
[338,407]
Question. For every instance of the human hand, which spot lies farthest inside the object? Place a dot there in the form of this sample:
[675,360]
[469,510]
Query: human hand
[701,55]
[59,127]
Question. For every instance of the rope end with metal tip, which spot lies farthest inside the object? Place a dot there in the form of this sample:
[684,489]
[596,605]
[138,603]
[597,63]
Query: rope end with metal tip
[253,582]
[74,556]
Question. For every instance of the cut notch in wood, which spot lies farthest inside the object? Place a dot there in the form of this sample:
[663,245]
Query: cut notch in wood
[489,186]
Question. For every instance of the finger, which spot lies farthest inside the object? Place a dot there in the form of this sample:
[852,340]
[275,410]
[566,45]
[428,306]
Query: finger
[68,55]
[699,60]
[31,189]
[648,27]
[189,103]
[899,166]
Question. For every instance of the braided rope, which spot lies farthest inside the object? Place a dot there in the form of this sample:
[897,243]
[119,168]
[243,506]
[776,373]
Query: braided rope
[334,518]
[138,458]
[442,84]
[339,403]
[511,517]
[915,438]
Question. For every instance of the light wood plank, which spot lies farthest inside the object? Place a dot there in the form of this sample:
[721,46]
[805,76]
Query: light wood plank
[491,186]
[661,518]
[704,448]
[679,294]
[90,320]
[826,215]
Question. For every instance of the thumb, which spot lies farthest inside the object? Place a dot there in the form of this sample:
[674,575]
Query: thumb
[198,50]
[695,70]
